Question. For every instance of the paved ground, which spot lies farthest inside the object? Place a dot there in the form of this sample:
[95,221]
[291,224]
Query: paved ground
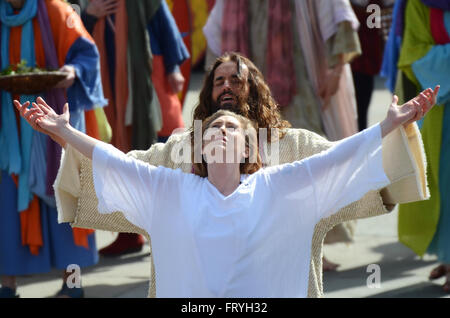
[402,274]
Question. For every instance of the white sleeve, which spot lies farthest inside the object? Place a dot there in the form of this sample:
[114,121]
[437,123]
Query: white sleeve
[347,171]
[125,184]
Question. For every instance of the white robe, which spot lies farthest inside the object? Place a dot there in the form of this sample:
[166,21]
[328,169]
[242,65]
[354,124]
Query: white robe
[254,242]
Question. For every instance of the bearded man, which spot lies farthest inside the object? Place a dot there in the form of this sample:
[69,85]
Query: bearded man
[234,83]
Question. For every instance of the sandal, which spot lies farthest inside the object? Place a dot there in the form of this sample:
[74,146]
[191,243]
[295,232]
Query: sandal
[438,272]
[67,292]
[6,292]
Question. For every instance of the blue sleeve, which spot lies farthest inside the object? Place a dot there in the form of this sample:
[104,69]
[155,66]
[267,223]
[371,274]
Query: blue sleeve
[166,39]
[434,69]
[87,90]
[392,48]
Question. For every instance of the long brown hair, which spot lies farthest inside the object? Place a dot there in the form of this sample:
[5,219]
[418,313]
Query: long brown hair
[250,165]
[259,106]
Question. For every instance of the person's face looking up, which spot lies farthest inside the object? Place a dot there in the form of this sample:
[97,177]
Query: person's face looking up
[224,141]
[228,84]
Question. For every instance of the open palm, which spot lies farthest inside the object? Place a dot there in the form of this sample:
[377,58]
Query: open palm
[413,109]
[42,117]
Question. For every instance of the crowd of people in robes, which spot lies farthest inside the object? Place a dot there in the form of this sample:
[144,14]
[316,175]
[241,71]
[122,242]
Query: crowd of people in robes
[318,57]
[110,58]
[417,54]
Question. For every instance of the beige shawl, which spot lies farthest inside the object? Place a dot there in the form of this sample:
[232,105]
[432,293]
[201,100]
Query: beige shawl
[403,160]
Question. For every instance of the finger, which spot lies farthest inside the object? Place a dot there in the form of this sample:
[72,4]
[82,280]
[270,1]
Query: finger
[48,109]
[31,112]
[25,105]
[38,116]
[29,116]
[34,116]
[427,101]
[42,107]
[429,93]
[415,113]
[109,9]
[436,90]
[419,109]
[109,2]
[111,6]
[24,108]
[422,99]
[66,108]
[435,93]
[40,100]
[394,100]
[110,12]
[19,105]
[427,107]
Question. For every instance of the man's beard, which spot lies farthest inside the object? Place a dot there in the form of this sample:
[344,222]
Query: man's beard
[238,105]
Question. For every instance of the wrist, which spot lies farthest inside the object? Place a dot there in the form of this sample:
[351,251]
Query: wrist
[386,127]
[64,131]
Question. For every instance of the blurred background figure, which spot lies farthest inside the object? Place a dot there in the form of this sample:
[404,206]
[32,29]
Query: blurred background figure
[142,82]
[169,53]
[47,34]
[303,49]
[366,66]
[417,55]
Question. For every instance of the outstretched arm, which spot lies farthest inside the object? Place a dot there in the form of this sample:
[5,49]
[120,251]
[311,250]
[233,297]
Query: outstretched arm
[354,166]
[121,183]
[44,119]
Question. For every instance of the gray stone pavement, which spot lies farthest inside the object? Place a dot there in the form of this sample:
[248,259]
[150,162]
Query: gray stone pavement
[402,274]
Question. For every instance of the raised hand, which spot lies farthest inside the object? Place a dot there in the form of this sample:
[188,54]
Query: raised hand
[44,119]
[101,8]
[50,120]
[410,111]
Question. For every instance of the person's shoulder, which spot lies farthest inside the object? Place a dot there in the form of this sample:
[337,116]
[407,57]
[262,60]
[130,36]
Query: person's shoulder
[184,135]
[304,141]
[186,180]
[174,139]
[160,148]
[303,134]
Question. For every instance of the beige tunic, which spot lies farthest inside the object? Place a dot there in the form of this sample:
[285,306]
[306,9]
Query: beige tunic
[77,202]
